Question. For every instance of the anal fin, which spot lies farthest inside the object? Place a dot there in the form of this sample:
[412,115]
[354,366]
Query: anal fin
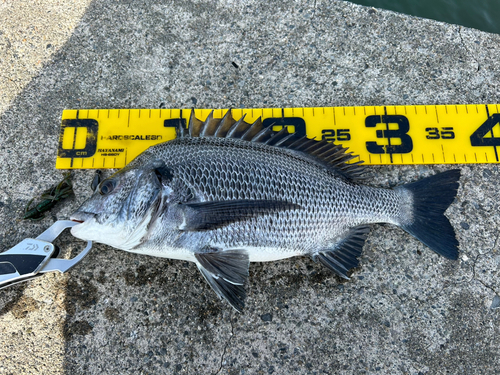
[227,273]
[344,256]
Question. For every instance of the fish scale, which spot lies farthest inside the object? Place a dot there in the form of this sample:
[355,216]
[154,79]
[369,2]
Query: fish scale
[305,182]
[226,193]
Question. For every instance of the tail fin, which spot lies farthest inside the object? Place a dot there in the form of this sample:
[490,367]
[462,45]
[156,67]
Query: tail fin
[431,197]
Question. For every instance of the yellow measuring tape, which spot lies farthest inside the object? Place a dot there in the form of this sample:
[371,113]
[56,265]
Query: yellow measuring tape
[427,134]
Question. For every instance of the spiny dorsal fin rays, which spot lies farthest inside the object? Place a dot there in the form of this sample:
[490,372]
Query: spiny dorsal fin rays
[225,124]
[306,143]
[323,147]
[334,157]
[339,157]
[252,130]
[328,153]
[180,130]
[210,126]
[195,125]
[284,142]
[238,128]
[264,135]
[296,141]
[278,136]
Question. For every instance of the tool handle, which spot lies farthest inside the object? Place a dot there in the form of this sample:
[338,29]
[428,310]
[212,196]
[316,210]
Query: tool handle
[24,261]
[33,257]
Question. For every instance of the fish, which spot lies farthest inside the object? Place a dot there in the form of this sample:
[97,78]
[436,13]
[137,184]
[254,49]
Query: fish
[227,192]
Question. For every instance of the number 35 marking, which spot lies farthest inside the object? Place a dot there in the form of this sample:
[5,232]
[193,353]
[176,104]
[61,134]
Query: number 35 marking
[435,133]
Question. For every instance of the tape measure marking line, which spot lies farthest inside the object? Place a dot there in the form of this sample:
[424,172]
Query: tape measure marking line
[388,138]
[74,135]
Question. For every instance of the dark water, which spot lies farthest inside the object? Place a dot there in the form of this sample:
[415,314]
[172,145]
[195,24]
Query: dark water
[479,14]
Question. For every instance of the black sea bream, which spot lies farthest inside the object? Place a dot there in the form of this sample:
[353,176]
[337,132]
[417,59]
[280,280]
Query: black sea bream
[225,193]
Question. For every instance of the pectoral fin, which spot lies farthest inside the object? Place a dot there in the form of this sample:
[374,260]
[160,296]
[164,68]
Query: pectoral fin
[344,256]
[227,273]
[213,215]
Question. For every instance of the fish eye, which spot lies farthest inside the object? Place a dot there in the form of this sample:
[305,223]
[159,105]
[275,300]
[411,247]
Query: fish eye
[96,180]
[107,187]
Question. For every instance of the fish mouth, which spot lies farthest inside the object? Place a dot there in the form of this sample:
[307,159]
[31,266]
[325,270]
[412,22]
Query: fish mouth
[81,217]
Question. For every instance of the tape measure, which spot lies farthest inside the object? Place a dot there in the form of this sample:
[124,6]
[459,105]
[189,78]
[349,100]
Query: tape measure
[426,134]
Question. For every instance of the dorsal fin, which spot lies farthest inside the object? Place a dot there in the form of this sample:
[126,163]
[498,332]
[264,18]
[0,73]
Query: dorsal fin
[225,124]
[252,130]
[194,126]
[332,156]
[210,126]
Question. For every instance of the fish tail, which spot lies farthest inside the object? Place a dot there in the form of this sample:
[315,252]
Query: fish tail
[431,197]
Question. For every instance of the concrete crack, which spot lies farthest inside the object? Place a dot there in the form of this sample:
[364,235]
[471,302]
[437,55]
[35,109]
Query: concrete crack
[226,346]
[474,268]
[467,49]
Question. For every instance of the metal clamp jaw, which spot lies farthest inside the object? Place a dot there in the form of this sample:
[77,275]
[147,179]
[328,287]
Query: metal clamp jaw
[33,257]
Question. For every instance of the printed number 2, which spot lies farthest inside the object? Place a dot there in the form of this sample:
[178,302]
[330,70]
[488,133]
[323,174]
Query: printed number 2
[406,145]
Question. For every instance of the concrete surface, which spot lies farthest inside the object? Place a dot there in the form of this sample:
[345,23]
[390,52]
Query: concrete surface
[405,311]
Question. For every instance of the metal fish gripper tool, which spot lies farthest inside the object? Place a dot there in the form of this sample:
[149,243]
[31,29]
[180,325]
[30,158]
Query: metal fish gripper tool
[33,257]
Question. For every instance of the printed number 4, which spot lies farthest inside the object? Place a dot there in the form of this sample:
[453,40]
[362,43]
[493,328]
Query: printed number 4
[478,138]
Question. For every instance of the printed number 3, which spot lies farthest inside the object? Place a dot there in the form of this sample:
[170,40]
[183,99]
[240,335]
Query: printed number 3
[406,145]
